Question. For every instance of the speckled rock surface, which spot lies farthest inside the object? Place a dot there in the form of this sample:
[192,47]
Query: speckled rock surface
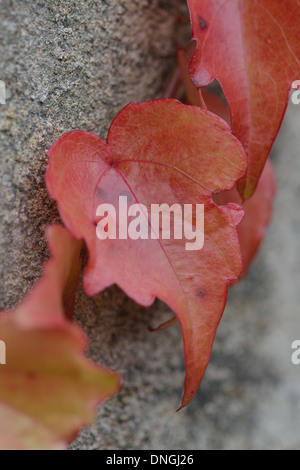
[75,64]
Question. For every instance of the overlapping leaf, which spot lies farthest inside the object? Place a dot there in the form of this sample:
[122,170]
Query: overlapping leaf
[253,49]
[160,152]
[48,390]
[258,209]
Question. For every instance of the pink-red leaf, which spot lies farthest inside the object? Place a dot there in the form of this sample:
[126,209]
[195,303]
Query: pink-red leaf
[258,209]
[48,390]
[253,49]
[198,97]
[157,152]
[258,212]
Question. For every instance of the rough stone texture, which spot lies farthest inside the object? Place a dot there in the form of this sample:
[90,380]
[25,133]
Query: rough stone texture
[75,64]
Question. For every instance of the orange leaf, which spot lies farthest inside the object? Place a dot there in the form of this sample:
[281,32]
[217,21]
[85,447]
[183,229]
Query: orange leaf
[48,390]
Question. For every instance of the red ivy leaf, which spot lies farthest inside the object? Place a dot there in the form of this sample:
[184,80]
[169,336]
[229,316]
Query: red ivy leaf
[157,152]
[48,390]
[252,48]
[197,97]
[258,211]
[193,95]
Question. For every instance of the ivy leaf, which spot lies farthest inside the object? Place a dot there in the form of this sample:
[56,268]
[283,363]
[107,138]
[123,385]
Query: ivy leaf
[252,48]
[198,97]
[48,390]
[258,211]
[160,152]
